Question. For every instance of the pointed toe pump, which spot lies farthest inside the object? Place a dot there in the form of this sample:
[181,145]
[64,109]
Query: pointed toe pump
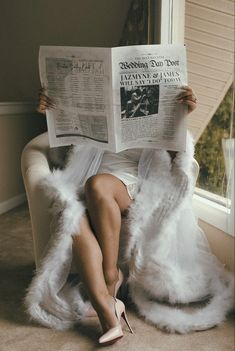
[116,333]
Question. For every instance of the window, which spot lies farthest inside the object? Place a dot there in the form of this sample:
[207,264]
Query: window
[215,154]
[207,29]
[209,149]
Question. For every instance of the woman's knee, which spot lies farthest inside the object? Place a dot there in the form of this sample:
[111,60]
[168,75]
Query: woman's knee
[96,187]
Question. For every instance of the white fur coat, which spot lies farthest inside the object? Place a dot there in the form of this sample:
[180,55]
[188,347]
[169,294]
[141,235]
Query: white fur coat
[165,251]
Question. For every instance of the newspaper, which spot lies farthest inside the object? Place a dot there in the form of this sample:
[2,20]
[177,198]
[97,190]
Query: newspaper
[115,98]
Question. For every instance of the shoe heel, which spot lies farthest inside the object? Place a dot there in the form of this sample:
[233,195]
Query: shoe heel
[124,316]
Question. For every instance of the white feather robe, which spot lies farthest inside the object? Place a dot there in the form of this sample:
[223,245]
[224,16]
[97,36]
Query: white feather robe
[166,253]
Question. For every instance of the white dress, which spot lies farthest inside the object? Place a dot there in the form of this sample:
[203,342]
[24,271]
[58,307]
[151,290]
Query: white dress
[124,166]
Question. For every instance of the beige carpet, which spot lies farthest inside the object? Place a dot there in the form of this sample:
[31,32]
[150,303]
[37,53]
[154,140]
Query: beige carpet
[18,334]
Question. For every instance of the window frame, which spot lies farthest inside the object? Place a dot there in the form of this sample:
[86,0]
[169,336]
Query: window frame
[209,210]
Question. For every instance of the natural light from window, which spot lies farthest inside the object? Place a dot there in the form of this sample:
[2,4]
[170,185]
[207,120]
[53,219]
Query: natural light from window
[210,153]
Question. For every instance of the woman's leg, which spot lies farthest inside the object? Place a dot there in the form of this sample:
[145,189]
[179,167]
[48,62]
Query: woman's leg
[107,199]
[88,257]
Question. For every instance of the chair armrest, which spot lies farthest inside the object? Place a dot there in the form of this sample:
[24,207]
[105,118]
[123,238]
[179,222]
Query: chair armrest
[35,156]
[35,166]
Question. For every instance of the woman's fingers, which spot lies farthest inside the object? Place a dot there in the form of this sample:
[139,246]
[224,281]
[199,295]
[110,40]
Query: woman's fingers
[187,91]
[187,97]
[41,108]
[185,88]
[191,105]
[44,102]
[45,98]
[190,97]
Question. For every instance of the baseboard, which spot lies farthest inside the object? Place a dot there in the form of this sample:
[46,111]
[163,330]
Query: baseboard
[12,203]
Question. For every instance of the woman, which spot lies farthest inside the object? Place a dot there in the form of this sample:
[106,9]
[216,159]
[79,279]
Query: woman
[108,195]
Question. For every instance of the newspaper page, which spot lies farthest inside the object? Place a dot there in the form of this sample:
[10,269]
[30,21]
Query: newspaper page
[146,81]
[78,80]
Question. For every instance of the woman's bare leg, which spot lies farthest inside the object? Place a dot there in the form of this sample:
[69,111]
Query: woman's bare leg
[88,257]
[107,199]
[96,256]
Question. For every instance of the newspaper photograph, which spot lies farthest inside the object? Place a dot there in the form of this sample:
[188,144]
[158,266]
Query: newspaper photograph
[115,98]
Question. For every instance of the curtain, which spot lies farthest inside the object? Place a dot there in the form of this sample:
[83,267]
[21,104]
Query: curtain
[138,28]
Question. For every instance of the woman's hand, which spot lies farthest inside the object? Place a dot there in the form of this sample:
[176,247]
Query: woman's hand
[187,97]
[44,102]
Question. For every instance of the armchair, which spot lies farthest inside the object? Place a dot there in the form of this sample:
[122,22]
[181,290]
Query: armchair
[35,165]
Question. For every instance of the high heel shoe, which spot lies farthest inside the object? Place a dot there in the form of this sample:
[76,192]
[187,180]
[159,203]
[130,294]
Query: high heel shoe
[91,312]
[116,333]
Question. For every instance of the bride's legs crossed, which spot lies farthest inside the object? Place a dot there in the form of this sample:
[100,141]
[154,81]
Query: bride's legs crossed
[107,199]
[88,258]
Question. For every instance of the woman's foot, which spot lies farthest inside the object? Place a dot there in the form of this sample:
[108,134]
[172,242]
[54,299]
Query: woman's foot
[106,313]
[114,333]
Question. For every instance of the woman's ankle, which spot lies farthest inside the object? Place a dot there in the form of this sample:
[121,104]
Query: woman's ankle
[111,279]
[106,312]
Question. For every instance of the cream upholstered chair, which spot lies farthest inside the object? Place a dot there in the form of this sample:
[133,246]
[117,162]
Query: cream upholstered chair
[35,165]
